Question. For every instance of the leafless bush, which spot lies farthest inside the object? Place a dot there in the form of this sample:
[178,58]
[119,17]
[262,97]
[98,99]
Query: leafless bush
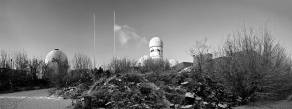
[254,66]
[21,60]
[155,65]
[81,61]
[202,58]
[35,66]
[5,61]
[122,65]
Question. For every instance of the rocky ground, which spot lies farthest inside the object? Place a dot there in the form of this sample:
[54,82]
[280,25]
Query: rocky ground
[34,99]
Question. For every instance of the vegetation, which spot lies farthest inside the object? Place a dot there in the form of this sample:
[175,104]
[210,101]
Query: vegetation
[254,66]
[20,73]
[251,67]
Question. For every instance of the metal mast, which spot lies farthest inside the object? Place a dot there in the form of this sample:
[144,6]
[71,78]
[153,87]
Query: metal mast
[114,34]
[94,40]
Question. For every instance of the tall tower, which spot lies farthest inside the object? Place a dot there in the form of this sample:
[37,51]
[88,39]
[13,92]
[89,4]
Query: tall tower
[156,48]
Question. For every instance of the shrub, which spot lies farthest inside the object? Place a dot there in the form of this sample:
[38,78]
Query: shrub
[154,65]
[254,66]
[122,65]
[78,76]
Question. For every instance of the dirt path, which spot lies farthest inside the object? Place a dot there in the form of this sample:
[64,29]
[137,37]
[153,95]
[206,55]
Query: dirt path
[34,99]
[275,105]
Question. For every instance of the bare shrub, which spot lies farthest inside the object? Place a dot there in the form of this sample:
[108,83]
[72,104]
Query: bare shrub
[122,65]
[155,65]
[21,60]
[81,61]
[202,59]
[35,66]
[254,66]
[5,61]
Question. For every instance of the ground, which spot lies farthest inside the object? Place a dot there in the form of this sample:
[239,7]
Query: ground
[34,99]
[39,99]
[284,104]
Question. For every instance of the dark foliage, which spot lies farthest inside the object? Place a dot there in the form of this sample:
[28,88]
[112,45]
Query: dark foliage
[17,80]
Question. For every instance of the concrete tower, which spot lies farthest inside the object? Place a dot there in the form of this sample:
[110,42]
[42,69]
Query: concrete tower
[156,48]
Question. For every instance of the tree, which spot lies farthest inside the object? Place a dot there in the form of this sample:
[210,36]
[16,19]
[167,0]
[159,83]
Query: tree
[122,65]
[21,60]
[81,61]
[254,66]
[5,62]
[202,59]
[35,66]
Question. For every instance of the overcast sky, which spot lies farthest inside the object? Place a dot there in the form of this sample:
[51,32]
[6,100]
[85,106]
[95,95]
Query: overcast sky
[39,26]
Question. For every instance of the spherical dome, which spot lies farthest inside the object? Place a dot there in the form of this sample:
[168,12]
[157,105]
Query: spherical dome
[56,55]
[155,42]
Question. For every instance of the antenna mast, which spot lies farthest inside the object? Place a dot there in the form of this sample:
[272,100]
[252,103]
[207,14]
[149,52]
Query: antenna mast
[114,42]
[114,34]
[94,40]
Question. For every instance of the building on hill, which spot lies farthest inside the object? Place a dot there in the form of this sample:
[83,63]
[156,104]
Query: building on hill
[156,48]
[155,52]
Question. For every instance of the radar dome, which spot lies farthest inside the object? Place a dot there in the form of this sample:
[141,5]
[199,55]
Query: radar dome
[57,61]
[156,48]
[155,42]
[56,55]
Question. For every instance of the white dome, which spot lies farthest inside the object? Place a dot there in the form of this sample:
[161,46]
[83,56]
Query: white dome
[155,42]
[56,55]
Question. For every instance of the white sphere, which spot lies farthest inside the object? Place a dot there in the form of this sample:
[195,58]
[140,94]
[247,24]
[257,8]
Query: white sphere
[56,55]
[54,58]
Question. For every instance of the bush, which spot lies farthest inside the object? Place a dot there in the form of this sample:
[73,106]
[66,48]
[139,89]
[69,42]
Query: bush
[16,80]
[122,65]
[254,66]
[155,65]
[78,76]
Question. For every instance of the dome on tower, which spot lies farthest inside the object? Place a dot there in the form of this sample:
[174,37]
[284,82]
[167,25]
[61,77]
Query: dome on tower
[155,42]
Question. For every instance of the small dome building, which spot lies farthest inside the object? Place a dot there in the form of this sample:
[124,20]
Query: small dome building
[55,59]
[156,48]
[156,52]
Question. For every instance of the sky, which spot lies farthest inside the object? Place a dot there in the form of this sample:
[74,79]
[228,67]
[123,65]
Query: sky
[39,26]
